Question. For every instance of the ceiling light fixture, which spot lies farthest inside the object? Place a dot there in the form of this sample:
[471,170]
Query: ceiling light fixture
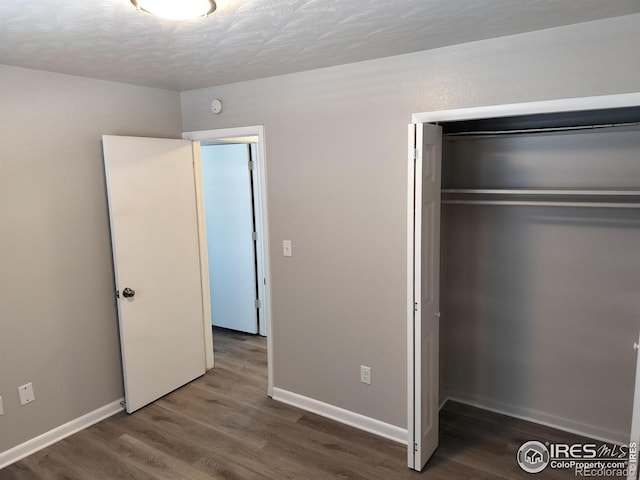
[176,9]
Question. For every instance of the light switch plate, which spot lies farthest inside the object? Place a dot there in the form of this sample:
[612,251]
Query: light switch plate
[287,249]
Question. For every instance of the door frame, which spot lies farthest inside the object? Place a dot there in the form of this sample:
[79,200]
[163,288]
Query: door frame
[262,225]
[478,113]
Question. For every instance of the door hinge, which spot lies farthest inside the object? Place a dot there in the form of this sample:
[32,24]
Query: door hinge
[117,293]
[251,165]
[258,303]
[415,447]
[415,306]
[254,236]
[415,153]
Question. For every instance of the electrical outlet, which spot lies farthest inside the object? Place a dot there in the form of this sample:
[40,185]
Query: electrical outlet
[1,407]
[365,374]
[26,394]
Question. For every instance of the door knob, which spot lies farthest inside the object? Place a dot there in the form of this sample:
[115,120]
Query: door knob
[128,292]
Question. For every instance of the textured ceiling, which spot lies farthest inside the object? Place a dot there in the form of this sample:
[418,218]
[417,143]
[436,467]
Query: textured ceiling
[247,39]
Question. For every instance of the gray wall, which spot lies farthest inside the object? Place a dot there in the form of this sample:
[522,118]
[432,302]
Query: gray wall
[336,142]
[58,326]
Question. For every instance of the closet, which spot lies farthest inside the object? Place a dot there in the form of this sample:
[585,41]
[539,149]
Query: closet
[540,267]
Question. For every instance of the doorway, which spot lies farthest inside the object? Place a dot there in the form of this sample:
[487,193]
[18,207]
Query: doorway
[232,233]
[252,138]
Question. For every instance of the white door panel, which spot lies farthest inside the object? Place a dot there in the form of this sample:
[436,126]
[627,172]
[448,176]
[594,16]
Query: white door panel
[230,225]
[426,290]
[154,231]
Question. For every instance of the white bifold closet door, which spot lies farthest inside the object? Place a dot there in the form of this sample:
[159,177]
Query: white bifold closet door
[154,233]
[426,293]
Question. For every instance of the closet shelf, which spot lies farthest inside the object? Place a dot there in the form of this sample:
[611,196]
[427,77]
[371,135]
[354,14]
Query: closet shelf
[597,198]
[524,203]
[553,192]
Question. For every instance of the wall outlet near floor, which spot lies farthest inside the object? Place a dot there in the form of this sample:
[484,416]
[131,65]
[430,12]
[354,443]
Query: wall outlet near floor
[365,374]
[26,394]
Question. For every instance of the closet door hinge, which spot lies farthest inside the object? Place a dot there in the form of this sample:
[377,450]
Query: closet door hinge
[251,165]
[415,447]
[258,303]
[415,306]
[415,154]
[254,236]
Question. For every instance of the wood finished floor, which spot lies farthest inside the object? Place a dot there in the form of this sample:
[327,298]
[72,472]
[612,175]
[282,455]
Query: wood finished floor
[222,426]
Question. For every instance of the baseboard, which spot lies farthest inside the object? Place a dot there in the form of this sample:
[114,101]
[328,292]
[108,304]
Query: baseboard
[63,431]
[341,415]
[533,416]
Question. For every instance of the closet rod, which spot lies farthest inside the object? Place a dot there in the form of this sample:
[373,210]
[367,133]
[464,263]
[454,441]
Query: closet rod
[524,191]
[542,130]
[542,204]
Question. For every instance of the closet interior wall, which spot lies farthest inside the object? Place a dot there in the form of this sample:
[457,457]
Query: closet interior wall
[540,299]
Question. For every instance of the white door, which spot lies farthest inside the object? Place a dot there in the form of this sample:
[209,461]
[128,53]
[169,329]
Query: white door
[426,291]
[154,233]
[231,246]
